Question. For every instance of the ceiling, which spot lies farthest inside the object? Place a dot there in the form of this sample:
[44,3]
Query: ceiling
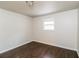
[39,8]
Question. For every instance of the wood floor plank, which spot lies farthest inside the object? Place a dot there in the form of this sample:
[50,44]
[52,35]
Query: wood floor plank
[39,50]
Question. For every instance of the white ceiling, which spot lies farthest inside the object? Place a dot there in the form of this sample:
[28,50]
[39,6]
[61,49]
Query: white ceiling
[39,8]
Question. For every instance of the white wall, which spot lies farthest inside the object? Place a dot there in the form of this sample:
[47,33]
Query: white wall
[15,30]
[65,33]
[78,34]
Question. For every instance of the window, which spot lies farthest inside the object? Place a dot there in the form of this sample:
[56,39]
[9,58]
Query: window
[49,25]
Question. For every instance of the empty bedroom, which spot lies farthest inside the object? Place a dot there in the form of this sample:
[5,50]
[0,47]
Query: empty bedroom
[39,29]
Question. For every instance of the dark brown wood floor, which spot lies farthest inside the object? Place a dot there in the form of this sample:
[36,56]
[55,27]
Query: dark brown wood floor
[39,50]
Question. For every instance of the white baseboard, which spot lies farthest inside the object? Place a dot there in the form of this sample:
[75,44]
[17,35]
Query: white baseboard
[13,47]
[56,45]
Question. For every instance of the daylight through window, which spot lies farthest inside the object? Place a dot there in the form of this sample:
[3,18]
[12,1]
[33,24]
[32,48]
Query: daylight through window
[49,25]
